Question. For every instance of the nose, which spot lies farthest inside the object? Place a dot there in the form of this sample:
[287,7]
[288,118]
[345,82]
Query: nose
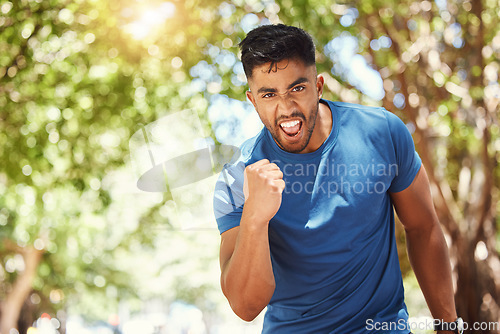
[286,104]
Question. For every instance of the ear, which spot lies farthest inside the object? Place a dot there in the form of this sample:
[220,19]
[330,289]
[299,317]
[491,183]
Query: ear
[251,98]
[320,82]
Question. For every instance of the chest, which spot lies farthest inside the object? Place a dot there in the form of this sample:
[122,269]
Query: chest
[339,200]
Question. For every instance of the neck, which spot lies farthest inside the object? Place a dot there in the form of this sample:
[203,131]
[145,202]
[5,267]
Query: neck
[322,128]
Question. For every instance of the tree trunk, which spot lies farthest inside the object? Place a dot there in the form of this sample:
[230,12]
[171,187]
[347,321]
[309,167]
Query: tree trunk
[27,316]
[477,295]
[12,305]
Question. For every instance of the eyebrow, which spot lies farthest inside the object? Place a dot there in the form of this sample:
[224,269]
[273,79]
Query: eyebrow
[274,90]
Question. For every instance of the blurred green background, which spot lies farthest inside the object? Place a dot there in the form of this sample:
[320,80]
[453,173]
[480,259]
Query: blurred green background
[83,250]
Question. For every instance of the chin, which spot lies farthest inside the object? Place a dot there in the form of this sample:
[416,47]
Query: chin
[293,148]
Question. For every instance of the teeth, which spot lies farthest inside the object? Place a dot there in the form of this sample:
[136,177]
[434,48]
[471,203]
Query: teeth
[289,124]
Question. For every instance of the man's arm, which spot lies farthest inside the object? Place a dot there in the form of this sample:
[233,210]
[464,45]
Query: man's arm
[247,278]
[426,246]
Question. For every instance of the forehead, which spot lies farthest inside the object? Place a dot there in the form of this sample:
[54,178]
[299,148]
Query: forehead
[281,74]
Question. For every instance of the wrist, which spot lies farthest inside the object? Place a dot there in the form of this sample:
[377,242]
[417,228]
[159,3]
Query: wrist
[449,327]
[253,217]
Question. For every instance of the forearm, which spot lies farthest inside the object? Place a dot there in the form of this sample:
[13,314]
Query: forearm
[430,261]
[247,278]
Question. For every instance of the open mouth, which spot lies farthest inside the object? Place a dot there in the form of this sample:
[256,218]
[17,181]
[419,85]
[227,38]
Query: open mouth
[291,128]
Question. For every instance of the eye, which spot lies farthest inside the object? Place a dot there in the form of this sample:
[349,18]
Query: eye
[298,88]
[268,95]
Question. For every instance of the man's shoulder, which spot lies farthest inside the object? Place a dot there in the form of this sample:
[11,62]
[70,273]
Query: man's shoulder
[250,147]
[371,121]
[373,115]
[347,106]
[360,117]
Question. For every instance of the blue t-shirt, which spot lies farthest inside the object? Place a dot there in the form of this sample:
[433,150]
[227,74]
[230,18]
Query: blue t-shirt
[332,241]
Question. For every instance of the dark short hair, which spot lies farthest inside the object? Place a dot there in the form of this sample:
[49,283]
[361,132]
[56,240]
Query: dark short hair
[274,43]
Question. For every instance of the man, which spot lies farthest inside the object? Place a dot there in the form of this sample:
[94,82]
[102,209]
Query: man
[306,212]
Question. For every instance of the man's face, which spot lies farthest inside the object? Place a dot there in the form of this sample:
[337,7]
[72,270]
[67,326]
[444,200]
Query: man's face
[287,101]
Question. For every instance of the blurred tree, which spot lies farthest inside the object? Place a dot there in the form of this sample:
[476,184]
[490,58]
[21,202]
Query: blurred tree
[69,102]
[56,146]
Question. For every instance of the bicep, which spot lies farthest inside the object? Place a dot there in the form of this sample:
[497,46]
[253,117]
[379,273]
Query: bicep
[227,244]
[414,204]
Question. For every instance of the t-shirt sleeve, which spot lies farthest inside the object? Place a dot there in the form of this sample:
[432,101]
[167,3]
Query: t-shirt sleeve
[407,159]
[229,197]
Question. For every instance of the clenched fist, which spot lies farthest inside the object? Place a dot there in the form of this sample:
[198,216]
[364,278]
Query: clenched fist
[263,186]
